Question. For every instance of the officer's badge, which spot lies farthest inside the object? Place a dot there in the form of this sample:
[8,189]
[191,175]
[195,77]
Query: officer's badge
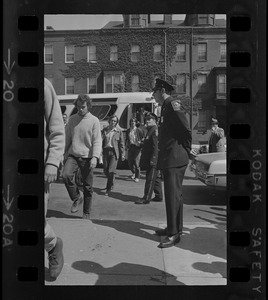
[176,104]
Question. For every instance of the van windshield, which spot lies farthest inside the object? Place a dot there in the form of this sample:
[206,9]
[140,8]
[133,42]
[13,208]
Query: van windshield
[103,112]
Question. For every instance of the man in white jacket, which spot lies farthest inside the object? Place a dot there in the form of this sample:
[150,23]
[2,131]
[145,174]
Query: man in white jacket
[54,148]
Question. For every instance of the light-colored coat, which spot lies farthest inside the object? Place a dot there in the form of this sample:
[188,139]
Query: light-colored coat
[217,141]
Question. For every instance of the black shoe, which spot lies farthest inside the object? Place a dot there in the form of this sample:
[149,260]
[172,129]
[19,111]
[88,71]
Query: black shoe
[170,241]
[75,205]
[142,201]
[161,232]
[155,199]
[56,260]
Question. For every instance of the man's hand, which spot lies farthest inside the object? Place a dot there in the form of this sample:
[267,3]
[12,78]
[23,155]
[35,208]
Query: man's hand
[93,162]
[50,173]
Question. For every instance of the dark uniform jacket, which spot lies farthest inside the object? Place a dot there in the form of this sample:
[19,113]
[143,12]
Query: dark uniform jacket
[149,152]
[175,137]
[117,141]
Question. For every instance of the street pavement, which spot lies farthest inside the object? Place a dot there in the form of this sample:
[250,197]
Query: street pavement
[118,245]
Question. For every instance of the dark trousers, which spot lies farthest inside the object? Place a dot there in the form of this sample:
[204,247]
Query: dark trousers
[109,166]
[153,184]
[134,156]
[70,168]
[173,178]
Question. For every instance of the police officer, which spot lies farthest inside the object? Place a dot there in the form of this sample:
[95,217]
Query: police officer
[175,139]
[149,157]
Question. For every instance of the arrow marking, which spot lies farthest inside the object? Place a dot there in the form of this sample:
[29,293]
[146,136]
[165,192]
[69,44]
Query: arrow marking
[8,66]
[7,201]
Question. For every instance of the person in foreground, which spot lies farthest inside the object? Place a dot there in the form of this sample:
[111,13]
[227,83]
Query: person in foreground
[82,150]
[113,149]
[175,139]
[54,148]
[149,157]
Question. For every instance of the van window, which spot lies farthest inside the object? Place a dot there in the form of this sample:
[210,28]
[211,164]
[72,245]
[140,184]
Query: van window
[123,119]
[102,112]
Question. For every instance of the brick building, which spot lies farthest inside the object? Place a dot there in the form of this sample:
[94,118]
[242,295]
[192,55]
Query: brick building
[128,56]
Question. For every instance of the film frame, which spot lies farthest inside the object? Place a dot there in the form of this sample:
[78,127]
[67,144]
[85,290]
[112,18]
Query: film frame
[23,71]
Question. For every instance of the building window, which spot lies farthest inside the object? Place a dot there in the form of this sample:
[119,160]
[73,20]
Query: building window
[221,83]
[69,54]
[135,20]
[157,53]
[113,83]
[203,19]
[202,51]
[135,83]
[181,84]
[113,53]
[203,120]
[69,86]
[201,79]
[48,54]
[223,51]
[91,53]
[92,85]
[181,52]
[135,53]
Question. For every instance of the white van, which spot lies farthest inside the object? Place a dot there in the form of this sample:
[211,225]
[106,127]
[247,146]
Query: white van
[123,105]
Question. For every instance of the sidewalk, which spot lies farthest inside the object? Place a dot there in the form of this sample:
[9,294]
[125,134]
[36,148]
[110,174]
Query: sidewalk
[125,253]
[118,245]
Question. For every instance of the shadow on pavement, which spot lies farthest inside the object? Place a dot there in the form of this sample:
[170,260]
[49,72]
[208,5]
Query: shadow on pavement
[156,276]
[214,267]
[202,195]
[201,240]
[130,227]
[58,214]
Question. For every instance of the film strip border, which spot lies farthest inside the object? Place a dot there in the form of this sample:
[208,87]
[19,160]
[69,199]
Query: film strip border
[22,165]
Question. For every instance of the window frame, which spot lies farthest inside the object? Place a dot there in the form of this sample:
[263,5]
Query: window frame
[113,83]
[94,53]
[52,54]
[132,53]
[66,86]
[157,54]
[204,76]
[71,61]
[114,53]
[179,57]
[88,89]
[199,58]
[224,84]
[223,58]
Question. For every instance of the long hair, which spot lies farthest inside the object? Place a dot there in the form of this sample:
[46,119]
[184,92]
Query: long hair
[111,117]
[84,98]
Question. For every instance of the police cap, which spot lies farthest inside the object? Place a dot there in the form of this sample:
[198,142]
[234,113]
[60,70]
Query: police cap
[159,84]
[151,116]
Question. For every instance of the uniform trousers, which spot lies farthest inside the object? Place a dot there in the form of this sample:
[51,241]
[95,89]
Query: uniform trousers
[134,156]
[109,166]
[70,168]
[173,178]
[153,184]
[50,236]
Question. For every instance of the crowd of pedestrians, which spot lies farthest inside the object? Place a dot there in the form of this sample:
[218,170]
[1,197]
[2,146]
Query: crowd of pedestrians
[161,147]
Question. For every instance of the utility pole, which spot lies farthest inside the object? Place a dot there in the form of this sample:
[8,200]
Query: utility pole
[165,61]
[191,78]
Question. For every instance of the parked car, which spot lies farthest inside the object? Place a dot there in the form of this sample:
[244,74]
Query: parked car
[210,168]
